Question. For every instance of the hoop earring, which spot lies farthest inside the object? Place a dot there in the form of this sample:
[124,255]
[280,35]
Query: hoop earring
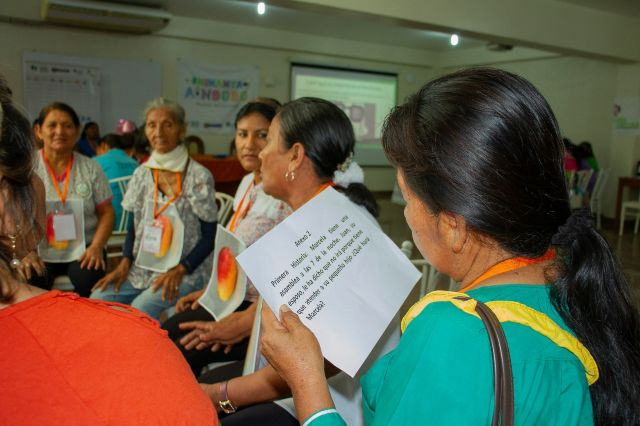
[290,176]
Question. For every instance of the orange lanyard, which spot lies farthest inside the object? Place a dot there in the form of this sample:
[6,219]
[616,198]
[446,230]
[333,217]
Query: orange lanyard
[155,193]
[323,187]
[509,265]
[61,195]
[240,213]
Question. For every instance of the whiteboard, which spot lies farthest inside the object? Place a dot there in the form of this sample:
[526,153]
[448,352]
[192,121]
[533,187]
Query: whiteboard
[125,86]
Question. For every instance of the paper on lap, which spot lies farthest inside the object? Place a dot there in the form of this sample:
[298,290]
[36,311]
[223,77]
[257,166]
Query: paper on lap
[332,265]
[226,289]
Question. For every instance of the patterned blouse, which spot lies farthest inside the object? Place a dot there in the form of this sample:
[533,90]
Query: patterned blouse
[196,202]
[86,181]
[264,213]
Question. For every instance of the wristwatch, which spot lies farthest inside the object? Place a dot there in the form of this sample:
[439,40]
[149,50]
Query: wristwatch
[225,403]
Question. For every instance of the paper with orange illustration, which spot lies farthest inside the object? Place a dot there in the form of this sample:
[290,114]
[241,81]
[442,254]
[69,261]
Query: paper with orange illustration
[228,283]
[160,247]
[64,231]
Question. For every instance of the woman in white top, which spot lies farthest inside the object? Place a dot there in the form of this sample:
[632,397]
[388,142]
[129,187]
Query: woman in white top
[193,329]
[79,212]
[171,197]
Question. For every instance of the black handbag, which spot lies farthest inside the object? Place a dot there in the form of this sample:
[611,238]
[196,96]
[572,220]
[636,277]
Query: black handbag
[503,411]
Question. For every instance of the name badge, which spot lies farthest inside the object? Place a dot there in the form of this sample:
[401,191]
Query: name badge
[152,239]
[64,227]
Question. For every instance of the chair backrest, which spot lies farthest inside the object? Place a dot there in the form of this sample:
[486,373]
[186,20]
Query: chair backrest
[583,179]
[225,207]
[601,180]
[123,184]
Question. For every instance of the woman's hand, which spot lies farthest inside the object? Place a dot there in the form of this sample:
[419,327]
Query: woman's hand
[226,332]
[92,258]
[115,277]
[290,347]
[170,282]
[31,262]
[189,301]
[294,352]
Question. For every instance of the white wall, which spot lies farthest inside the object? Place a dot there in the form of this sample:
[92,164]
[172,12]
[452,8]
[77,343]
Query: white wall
[580,91]
[273,64]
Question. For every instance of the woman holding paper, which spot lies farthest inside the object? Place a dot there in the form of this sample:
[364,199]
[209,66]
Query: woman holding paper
[167,252]
[193,328]
[79,212]
[480,164]
[309,148]
[62,355]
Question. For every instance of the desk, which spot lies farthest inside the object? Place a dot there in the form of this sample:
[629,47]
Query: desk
[227,172]
[625,181]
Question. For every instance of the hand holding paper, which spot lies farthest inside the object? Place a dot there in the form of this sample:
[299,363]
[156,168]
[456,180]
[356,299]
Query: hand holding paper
[331,264]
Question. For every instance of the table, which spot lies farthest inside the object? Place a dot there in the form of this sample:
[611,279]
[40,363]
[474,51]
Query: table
[624,181]
[227,172]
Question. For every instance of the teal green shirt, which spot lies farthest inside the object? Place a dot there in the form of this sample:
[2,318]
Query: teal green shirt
[441,371]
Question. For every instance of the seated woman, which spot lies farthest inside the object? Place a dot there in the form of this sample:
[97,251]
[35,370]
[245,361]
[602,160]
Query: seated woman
[465,146]
[78,193]
[310,147]
[192,328]
[62,357]
[115,163]
[169,196]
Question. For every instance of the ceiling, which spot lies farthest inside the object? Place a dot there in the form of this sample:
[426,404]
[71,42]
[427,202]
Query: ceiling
[307,22]
[618,7]
[344,26]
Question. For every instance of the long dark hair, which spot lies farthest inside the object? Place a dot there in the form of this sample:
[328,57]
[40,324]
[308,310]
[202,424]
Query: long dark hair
[17,195]
[328,139]
[484,144]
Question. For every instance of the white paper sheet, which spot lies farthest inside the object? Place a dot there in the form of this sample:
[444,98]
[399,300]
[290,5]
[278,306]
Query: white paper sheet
[211,299]
[331,264]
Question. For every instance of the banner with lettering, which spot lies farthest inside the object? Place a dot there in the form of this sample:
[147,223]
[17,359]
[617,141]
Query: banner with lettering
[212,94]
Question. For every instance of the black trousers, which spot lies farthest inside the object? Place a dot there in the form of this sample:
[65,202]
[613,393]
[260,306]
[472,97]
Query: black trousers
[198,359]
[83,280]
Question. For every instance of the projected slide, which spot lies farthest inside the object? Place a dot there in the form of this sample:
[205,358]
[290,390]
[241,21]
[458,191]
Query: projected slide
[366,98]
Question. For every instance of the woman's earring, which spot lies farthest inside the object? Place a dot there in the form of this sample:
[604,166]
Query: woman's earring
[290,176]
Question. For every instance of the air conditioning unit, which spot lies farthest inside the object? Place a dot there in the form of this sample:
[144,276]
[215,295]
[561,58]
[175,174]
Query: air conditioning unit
[105,16]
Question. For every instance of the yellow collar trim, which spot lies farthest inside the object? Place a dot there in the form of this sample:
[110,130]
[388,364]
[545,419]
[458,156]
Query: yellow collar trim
[508,311]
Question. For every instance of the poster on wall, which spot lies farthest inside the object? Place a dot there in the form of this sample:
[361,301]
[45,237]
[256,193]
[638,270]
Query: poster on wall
[76,85]
[212,94]
[626,115]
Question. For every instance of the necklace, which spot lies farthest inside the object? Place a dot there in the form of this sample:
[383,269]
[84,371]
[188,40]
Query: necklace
[15,262]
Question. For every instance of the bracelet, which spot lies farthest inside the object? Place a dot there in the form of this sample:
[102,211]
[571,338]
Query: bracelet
[225,403]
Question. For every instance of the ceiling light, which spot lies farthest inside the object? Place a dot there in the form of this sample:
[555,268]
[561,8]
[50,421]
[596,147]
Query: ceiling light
[261,8]
[454,39]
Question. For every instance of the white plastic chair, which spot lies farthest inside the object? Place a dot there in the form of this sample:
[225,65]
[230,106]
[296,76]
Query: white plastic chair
[225,207]
[596,194]
[631,208]
[116,240]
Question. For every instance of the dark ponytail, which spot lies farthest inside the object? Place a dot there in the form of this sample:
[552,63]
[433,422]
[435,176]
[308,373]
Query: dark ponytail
[484,144]
[595,301]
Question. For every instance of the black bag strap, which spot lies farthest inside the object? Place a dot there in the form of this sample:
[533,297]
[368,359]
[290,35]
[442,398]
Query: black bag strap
[503,412]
